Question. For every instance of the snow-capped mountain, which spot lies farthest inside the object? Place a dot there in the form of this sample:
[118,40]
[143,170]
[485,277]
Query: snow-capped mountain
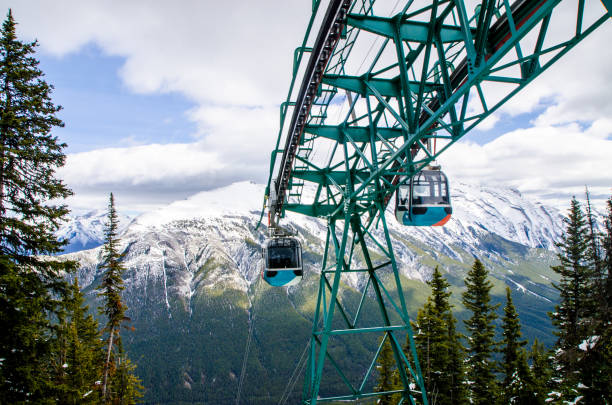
[86,231]
[192,267]
[220,222]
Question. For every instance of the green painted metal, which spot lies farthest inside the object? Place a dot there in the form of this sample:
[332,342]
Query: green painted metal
[413,31]
[383,94]
[608,5]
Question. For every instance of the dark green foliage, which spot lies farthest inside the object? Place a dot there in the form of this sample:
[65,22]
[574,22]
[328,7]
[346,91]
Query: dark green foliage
[112,281]
[583,352]
[456,365]
[29,156]
[31,286]
[541,372]
[603,348]
[480,333]
[595,360]
[126,387]
[570,315]
[25,343]
[78,353]
[438,346]
[116,364]
[607,257]
[573,290]
[386,374]
[516,384]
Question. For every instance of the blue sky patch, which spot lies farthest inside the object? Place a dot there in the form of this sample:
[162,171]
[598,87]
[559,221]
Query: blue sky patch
[100,111]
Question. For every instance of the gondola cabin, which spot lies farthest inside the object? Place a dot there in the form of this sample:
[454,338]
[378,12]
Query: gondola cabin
[424,200]
[282,261]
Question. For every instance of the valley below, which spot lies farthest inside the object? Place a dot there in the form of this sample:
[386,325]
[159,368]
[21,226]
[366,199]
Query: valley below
[192,286]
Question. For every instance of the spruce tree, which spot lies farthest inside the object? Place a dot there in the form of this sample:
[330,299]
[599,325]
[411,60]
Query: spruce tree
[595,351]
[571,314]
[31,286]
[607,258]
[480,335]
[114,308]
[126,385]
[541,371]
[438,345]
[456,366]
[513,365]
[385,367]
[595,261]
[79,353]
[429,330]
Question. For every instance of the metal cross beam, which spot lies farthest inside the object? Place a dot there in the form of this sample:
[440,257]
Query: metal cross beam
[383,93]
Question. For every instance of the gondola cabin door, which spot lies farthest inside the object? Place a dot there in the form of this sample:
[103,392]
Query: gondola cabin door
[424,200]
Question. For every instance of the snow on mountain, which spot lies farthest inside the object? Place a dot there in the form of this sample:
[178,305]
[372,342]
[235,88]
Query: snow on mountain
[478,210]
[209,240]
[87,231]
[191,268]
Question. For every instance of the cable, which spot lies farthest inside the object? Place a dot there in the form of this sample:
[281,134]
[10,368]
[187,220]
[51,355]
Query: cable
[248,344]
[296,372]
[376,40]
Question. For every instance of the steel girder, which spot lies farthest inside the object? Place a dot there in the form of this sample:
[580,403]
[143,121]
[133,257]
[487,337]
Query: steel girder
[366,118]
[350,248]
[437,73]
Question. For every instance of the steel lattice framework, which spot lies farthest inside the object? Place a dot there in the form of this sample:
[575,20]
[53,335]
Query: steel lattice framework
[384,91]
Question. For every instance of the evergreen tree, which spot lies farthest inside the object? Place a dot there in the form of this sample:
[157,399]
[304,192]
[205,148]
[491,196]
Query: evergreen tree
[456,365]
[607,259]
[514,359]
[126,386]
[425,339]
[114,309]
[481,331]
[31,287]
[386,377]
[595,351]
[79,353]
[596,263]
[571,314]
[604,345]
[541,373]
[438,345]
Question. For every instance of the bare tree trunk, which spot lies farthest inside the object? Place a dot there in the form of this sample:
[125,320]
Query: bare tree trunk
[107,364]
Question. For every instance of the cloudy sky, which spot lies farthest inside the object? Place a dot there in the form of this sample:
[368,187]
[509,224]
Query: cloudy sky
[165,99]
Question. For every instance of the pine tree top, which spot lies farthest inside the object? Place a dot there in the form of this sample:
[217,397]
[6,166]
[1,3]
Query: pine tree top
[112,280]
[29,156]
[440,293]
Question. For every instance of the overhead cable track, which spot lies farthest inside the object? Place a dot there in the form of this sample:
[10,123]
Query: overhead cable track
[329,34]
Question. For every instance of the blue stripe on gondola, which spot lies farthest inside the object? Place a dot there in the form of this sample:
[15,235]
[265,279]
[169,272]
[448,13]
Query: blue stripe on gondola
[281,278]
[429,218]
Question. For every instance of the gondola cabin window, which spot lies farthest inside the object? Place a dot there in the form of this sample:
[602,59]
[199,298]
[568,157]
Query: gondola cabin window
[282,261]
[424,200]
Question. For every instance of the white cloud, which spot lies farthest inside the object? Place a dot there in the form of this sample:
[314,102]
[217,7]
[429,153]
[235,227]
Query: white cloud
[234,60]
[550,163]
[577,87]
[219,52]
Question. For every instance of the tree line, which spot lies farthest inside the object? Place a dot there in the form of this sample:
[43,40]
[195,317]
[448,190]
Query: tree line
[477,368]
[51,349]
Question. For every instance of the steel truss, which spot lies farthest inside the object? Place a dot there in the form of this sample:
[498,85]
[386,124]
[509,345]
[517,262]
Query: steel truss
[437,70]
[349,247]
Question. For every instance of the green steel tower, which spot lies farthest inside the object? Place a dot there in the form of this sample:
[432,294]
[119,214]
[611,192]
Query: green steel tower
[378,92]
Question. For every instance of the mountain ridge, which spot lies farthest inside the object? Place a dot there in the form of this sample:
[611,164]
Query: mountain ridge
[191,284]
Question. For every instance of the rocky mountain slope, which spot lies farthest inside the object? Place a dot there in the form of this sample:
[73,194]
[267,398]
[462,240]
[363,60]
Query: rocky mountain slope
[192,271]
[86,231]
